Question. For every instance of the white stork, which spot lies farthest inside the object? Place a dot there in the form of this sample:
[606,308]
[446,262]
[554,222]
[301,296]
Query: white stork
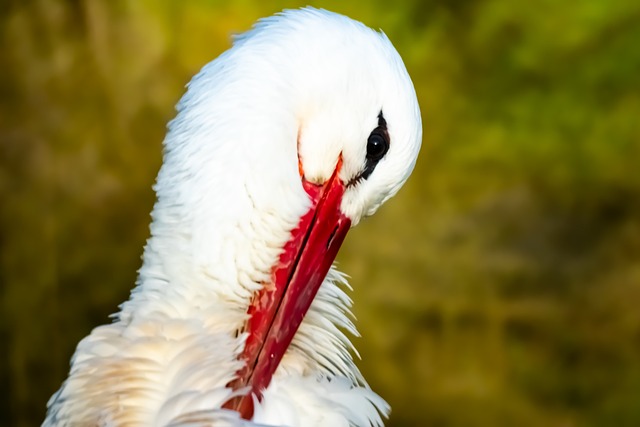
[307,124]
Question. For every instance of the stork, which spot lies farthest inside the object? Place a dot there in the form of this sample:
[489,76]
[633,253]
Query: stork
[307,124]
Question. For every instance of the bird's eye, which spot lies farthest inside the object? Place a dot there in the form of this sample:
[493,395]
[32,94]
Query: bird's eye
[377,146]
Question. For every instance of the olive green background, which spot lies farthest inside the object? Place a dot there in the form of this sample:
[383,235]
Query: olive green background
[501,287]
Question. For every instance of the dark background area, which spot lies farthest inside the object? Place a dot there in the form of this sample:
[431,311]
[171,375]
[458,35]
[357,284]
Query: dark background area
[499,288]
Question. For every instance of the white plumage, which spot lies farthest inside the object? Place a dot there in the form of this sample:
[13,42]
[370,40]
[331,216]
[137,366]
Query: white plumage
[297,95]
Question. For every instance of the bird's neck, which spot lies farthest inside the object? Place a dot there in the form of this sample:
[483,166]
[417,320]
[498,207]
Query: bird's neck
[228,196]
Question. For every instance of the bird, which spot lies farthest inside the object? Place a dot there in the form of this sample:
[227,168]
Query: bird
[307,124]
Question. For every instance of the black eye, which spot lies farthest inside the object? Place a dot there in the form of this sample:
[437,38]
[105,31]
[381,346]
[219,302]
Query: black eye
[377,146]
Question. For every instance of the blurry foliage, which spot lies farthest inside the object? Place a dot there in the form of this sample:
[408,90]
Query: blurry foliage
[501,287]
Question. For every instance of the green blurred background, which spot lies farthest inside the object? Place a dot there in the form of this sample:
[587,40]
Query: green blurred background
[500,287]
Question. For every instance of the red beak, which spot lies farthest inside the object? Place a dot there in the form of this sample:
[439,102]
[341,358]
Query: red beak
[279,307]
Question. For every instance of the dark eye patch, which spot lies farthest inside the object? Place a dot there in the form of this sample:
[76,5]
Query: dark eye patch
[377,147]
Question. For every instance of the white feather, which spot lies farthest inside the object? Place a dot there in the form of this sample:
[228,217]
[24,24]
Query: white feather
[305,83]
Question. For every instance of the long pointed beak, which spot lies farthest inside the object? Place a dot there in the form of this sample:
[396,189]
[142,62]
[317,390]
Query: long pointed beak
[278,308]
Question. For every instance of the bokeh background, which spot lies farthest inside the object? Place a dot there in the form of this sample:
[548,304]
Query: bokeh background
[501,287]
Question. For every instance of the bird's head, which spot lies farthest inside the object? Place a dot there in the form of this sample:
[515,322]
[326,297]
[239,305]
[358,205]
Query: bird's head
[308,124]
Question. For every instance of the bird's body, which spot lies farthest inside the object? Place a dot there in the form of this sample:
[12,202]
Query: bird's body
[260,130]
